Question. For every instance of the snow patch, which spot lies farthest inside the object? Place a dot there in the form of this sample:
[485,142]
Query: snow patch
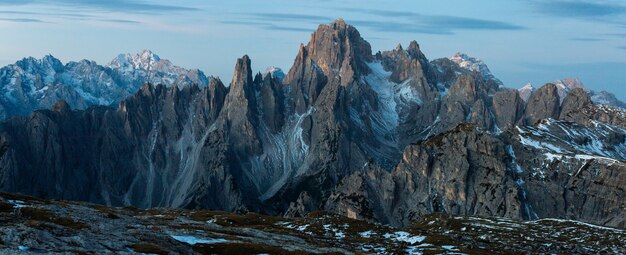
[406,237]
[191,240]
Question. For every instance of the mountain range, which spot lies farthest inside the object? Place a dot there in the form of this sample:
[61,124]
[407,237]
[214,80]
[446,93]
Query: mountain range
[386,137]
[565,86]
[32,84]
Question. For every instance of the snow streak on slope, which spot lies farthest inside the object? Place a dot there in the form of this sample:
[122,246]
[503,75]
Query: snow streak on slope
[567,141]
[284,154]
[394,102]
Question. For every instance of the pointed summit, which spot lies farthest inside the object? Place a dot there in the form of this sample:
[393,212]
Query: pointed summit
[525,91]
[243,73]
[241,92]
[474,65]
[144,60]
[340,51]
[399,47]
[414,48]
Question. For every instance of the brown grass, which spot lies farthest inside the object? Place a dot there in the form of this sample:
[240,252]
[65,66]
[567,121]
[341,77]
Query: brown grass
[243,249]
[44,215]
[6,207]
[148,248]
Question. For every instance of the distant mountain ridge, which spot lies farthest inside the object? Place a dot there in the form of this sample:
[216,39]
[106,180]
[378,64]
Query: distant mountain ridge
[567,85]
[475,65]
[32,84]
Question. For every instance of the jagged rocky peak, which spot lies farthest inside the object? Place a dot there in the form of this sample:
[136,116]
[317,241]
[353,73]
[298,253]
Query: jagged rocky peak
[47,63]
[465,89]
[143,60]
[567,85]
[340,51]
[606,98]
[508,107]
[576,100]
[243,73]
[414,48]
[475,65]
[526,91]
[405,64]
[543,103]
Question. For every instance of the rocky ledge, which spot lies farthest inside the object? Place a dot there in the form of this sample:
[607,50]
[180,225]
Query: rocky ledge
[33,226]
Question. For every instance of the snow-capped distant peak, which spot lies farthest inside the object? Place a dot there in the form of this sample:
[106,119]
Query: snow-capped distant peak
[467,62]
[144,60]
[275,72]
[473,64]
[528,87]
[569,83]
[525,91]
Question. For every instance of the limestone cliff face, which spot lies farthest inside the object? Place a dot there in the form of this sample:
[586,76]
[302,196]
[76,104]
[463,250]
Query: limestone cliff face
[460,172]
[387,137]
[543,103]
[470,172]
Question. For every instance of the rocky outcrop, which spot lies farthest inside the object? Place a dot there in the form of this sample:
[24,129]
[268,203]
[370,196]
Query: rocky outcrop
[543,103]
[508,108]
[573,102]
[390,137]
[459,172]
[149,152]
[34,226]
[340,52]
[467,171]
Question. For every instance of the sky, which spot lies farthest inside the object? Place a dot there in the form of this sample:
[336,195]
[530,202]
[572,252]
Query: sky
[521,41]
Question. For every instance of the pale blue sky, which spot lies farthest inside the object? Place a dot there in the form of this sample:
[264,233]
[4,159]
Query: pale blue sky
[521,40]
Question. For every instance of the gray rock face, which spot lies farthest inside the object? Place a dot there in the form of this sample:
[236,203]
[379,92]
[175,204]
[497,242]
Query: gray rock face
[459,172]
[390,137]
[467,171]
[543,103]
[508,107]
[340,52]
[572,104]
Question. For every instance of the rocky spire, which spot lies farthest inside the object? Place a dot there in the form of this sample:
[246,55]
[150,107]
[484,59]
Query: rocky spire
[339,51]
[240,112]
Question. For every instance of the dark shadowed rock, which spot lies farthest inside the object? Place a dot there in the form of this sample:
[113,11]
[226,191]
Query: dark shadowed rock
[573,103]
[508,108]
[543,103]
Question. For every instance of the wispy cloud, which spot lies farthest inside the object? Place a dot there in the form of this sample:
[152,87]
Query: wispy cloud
[401,27]
[123,21]
[440,24]
[387,21]
[122,6]
[266,25]
[587,39]
[580,8]
[22,20]
[274,17]
[47,14]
